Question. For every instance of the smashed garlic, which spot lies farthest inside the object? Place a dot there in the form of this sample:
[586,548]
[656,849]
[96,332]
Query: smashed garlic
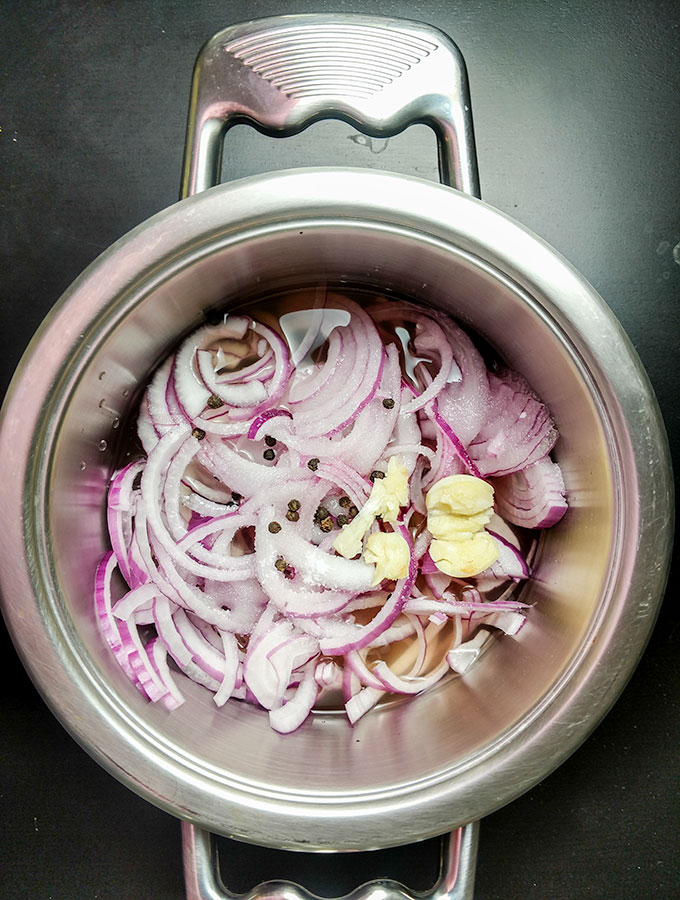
[452,527]
[458,509]
[462,495]
[463,559]
[390,554]
[391,492]
[388,495]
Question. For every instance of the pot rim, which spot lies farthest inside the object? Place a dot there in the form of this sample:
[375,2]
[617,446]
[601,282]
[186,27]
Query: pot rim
[640,460]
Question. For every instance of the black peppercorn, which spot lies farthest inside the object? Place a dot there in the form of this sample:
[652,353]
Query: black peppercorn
[269,440]
[236,497]
[376,473]
[388,403]
[294,505]
[269,455]
[281,564]
[352,512]
[214,402]
[274,527]
[326,524]
[313,464]
[292,515]
[342,520]
[345,502]
[198,433]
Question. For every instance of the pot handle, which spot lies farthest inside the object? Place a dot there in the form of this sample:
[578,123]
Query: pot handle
[281,74]
[455,882]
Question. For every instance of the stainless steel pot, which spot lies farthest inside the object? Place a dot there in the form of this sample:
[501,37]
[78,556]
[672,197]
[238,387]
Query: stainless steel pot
[410,769]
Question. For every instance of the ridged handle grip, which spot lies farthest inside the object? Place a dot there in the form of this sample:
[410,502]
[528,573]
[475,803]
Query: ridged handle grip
[455,882]
[283,73]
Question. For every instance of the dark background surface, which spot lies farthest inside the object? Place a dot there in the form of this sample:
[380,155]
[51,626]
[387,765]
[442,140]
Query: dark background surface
[577,115]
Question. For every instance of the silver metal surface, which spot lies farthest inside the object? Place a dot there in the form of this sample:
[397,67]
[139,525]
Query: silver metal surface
[283,73]
[455,882]
[411,769]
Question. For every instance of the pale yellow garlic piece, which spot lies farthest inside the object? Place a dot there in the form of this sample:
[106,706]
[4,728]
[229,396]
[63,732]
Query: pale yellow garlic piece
[451,527]
[390,554]
[349,542]
[462,495]
[391,492]
[465,558]
[458,509]
[388,495]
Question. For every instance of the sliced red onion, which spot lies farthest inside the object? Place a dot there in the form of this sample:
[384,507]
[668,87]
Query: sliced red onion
[290,655]
[328,674]
[356,661]
[120,514]
[110,626]
[235,470]
[437,583]
[407,685]
[466,654]
[510,562]
[517,430]
[210,492]
[533,497]
[363,442]
[454,440]
[204,508]
[324,569]
[259,673]
[294,598]
[173,641]
[191,390]
[163,540]
[255,431]
[353,382]
[140,599]
[246,393]
[428,566]
[221,546]
[245,600]
[293,712]
[278,383]
[401,629]
[145,673]
[158,657]
[262,368]
[123,637]
[463,402]
[361,702]
[162,416]
[203,652]
[422,638]
[346,479]
[431,340]
[311,384]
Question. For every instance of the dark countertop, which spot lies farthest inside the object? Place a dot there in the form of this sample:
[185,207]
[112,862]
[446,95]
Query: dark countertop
[577,115]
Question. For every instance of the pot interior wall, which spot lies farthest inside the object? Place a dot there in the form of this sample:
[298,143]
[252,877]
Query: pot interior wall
[404,742]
